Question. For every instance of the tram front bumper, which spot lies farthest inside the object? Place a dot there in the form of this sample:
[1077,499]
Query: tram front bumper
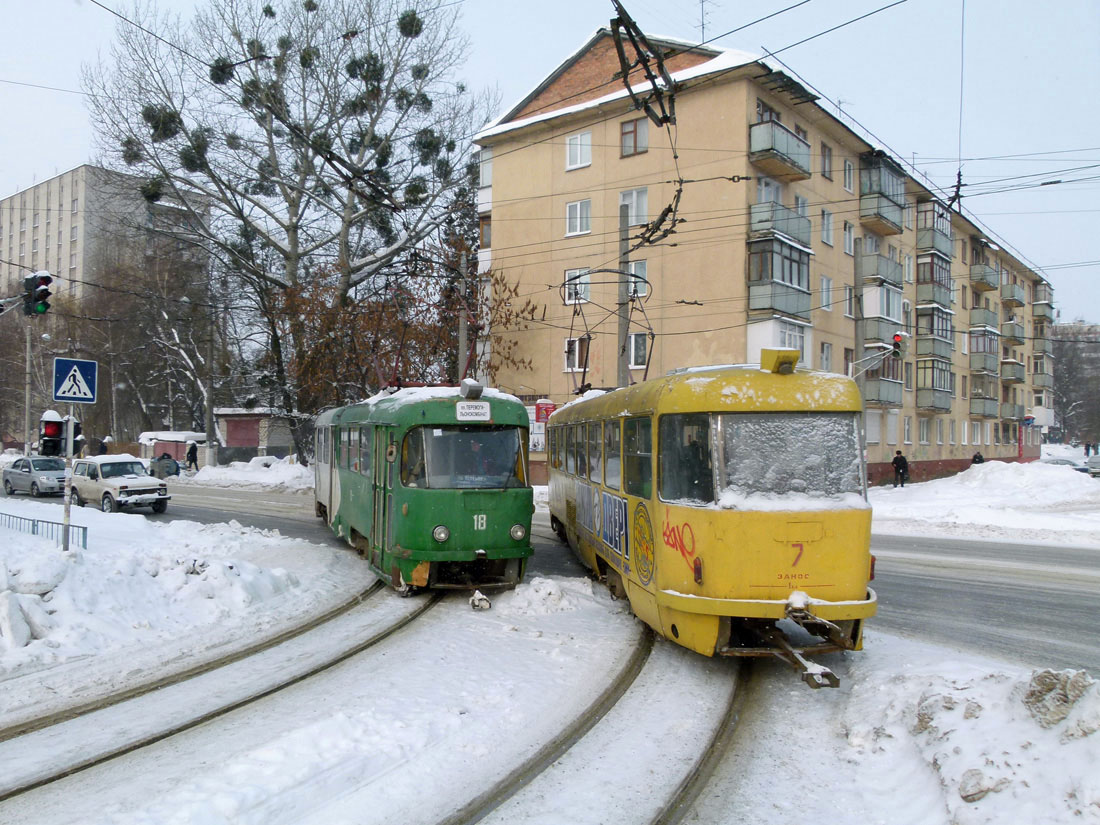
[768,608]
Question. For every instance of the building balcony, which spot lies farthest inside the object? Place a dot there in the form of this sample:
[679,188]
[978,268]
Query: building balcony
[928,344]
[882,392]
[1042,346]
[880,214]
[983,277]
[1012,372]
[1012,332]
[934,240]
[981,317]
[934,400]
[880,330]
[934,294]
[1044,294]
[881,267]
[484,200]
[1013,412]
[771,218]
[778,151]
[779,297]
[1012,295]
[1042,380]
[986,362]
[984,407]
[1042,312]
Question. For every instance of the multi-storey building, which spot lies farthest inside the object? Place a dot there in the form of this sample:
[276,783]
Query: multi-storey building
[791,230]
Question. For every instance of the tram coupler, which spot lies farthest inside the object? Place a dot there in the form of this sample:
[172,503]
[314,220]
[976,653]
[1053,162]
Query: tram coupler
[813,674]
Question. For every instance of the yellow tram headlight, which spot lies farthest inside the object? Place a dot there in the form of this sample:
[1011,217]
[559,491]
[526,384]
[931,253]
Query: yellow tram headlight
[517,532]
[441,533]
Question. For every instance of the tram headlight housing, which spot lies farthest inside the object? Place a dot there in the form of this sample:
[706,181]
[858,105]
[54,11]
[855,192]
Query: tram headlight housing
[518,532]
[441,533]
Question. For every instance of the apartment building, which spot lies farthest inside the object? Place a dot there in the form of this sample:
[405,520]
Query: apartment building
[790,230]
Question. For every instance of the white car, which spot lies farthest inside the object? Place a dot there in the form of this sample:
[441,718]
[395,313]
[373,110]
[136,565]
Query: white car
[1094,465]
[114,482]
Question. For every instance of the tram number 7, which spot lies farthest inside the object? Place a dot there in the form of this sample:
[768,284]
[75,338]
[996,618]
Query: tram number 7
[799,556]
[479,521]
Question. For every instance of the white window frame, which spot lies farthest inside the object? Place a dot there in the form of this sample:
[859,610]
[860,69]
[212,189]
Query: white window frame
[892,427]
[849,301]
[827,227]
[577,363]
[638,201]
[802,205]
[485,167]
[849,238]
[826,297]
[639,269]
[907,426]
[792,336]
[826,362]
[631,346]
[872,426]
[849,175]
[578,217]
[578,150]
[578,291]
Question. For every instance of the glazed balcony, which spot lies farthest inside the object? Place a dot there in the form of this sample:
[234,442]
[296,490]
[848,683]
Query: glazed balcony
[1012,372]
[1012,332]
[1044,294]
[1013,412]
[881,193]
[882,392]
[984,407]
[881,267]
[1042,346]
[934,400]
[1042,311]
[986,362]
[880,214]
[1012,295]
[983,277]
[929,344]
[981,317]
[931,239]
[934,294]
[771,218]
[778,151]
[1042,380]
[779,297]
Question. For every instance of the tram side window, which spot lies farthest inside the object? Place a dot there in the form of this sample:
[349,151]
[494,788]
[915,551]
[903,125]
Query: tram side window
[684,459]
[366,436]
[637,457]
[412,458]
[570,449]
[612,461]
[581,445]
[595,466]
[353,449]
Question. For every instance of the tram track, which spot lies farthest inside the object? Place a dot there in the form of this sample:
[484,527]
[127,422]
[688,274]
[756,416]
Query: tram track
[68,746]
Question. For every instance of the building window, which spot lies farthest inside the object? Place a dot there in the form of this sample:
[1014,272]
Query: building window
[765,113]
[826,356]
[909,375]
[802,133]
[635,136]
[872,421]
[576,354]
[76,202]
[577,284]
[964,386]
[72,260]
[892,427]
[793,336]
[578,150]
[908,269]
[849,176]
[827,227]
[826,293]
[636,347]
[849,238]
[35,223]
[908,215]
[826,160]
[485,167]
[638,284]
[934,374]
[773,260]
[849,302]
[939,431]
[871,243]
[578,217]
[72,234]
[907,424]
[802,206]
[485,227]
[638,201]
[768,190]
[849,360]
[965,433]
[953,431]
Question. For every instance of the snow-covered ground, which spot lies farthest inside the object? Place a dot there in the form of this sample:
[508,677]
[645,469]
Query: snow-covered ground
[262,473]
[916,734]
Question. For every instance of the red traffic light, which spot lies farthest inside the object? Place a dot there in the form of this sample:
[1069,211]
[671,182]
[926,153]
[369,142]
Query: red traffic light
[51,429]
[897,339]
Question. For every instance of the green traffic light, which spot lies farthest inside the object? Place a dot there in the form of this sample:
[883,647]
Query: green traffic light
[41,307]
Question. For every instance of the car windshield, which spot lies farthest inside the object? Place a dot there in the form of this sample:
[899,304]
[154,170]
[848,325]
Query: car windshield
[48,464]
[460,457]
[116,469]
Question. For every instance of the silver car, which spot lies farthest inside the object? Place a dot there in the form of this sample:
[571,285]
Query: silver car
[37,475]
[1094,465]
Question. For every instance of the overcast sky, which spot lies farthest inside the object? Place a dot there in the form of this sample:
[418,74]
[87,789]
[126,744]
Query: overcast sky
[1030,84]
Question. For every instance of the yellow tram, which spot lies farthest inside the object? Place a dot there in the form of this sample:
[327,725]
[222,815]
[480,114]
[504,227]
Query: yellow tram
[728,504]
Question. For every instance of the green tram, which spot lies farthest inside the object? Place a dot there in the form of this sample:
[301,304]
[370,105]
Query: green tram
[430,485]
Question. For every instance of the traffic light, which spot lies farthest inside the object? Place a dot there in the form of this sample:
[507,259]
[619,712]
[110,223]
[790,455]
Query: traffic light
[36,291]
[50,438]
[77,429]
[898,339]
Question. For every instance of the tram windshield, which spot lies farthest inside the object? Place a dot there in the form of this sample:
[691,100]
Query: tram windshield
[463,457]
[761,460]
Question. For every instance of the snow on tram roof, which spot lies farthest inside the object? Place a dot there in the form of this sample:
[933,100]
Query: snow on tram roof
[413,395]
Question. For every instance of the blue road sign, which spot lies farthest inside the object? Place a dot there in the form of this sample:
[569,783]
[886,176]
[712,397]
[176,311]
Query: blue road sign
[74,380]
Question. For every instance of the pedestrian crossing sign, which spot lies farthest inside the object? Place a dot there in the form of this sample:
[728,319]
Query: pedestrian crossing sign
[74,380]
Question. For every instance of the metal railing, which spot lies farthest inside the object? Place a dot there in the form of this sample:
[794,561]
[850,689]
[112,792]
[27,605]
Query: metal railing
[46,529]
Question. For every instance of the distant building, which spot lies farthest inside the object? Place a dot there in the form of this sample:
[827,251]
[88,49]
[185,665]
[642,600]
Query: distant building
[796,232]
[253,432]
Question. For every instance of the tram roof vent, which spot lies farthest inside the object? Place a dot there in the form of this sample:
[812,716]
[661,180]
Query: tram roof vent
[470,389]
[781,361]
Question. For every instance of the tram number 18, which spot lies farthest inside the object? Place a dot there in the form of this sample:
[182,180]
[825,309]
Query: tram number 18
[479,521]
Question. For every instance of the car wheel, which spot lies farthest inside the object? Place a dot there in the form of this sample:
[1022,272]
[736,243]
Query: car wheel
[74,498]
[34,490]
[108,504]
[160,506]
[8,489]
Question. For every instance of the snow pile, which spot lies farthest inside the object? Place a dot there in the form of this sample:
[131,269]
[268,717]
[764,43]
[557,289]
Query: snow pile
[541,597]
[1004,746]
[261,473]
[9,457]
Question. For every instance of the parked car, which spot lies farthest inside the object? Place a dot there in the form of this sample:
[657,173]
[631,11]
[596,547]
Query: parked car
[114,482]
[1066,462]
[164,466]
[37,475]
[1094,466]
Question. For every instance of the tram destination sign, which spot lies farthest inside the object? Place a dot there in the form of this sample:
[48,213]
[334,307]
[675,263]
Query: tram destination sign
[75,380]
[473,411]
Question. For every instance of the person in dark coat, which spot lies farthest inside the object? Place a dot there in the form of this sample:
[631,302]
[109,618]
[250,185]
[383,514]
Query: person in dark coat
[901,469]
[978,458]
[193,456]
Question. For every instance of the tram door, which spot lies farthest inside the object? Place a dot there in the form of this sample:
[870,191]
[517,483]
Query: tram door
[383,497]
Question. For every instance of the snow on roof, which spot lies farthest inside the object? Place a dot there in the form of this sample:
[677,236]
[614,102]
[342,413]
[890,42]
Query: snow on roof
[411,395]
[726,60]
[153,436]
[111,459]
[245,411]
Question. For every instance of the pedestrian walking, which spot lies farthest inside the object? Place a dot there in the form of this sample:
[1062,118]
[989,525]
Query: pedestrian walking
[901,469]
[192,455]
[1088,446]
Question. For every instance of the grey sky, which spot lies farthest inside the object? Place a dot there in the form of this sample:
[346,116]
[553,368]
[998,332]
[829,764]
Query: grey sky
[1031,85]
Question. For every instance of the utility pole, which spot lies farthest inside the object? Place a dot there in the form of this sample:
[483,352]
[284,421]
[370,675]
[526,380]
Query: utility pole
[861,332]
[623,373]
[463,345]
[211,445]
[27,393]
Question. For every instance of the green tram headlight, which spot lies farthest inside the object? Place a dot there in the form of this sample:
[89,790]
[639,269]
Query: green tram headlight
[441,533]
[517,532]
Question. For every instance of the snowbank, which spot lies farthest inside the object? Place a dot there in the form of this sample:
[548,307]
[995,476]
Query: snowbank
[261,473]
